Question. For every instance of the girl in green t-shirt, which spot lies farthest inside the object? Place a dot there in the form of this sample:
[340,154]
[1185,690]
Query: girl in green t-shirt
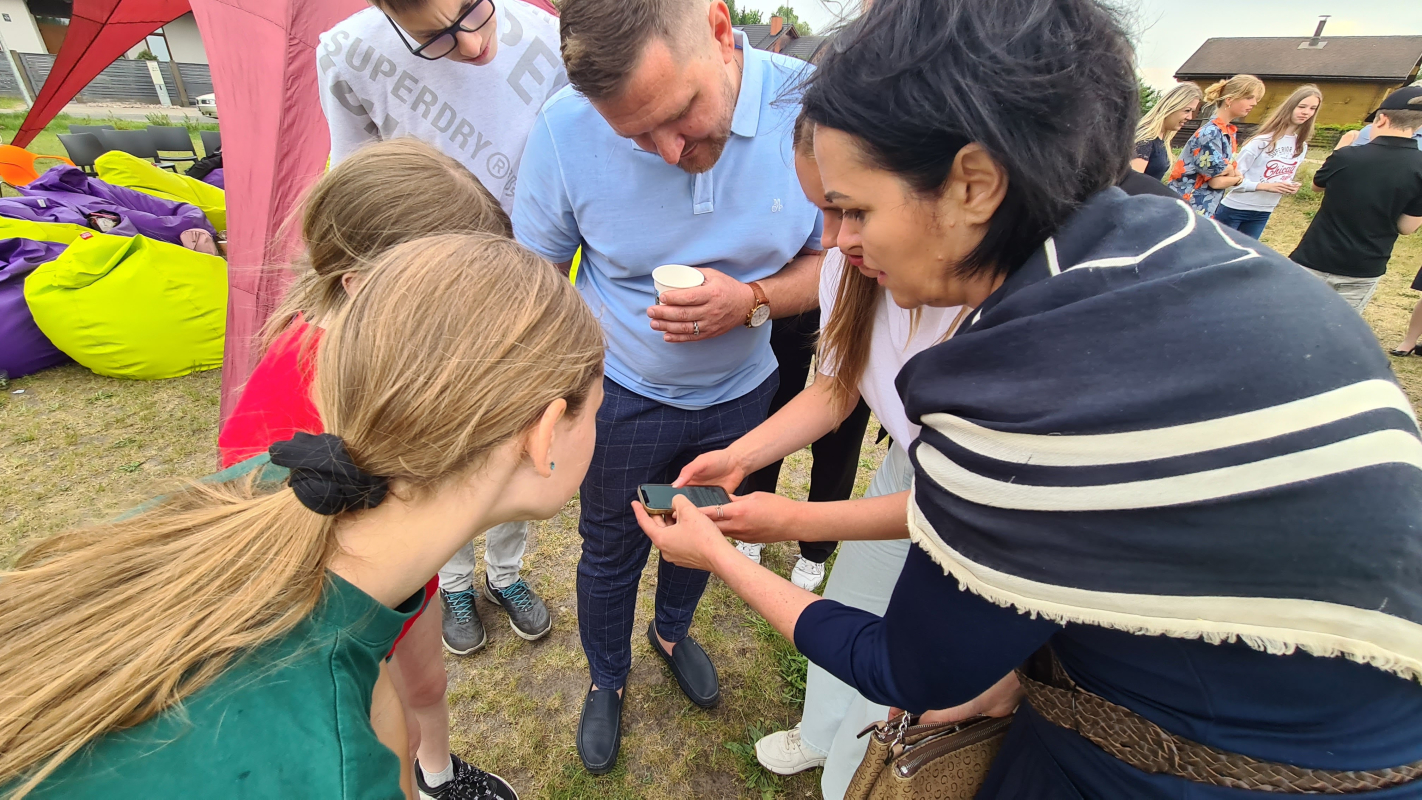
[227,641]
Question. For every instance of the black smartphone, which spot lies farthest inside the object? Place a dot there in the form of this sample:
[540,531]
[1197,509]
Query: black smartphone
[657,497]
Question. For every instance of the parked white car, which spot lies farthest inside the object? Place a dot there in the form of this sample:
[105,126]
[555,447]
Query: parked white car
[207,105]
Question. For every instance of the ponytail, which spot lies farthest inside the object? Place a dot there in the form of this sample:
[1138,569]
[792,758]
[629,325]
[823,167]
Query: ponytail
[1239,86]
[149,610]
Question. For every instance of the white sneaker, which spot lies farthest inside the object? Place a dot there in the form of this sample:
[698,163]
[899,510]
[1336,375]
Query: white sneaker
[751,551]
[783,753]
[807,574]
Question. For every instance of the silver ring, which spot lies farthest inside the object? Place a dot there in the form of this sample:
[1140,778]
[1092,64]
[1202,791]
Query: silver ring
[696,328]
[719,513]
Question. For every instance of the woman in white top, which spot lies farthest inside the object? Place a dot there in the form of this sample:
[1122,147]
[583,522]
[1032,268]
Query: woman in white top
[864,340]
[1268,162]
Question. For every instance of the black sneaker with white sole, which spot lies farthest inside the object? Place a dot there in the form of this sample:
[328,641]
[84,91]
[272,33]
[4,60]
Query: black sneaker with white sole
[461,627]
[528,615]
[469,783]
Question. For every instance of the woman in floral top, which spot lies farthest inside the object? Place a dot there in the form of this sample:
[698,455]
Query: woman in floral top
[1206,166]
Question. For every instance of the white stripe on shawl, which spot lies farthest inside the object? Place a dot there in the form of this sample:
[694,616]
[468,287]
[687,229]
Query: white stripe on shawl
[1178,440]
[1272,625]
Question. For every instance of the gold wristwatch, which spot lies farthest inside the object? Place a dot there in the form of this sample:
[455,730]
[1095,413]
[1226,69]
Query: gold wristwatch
[760,311]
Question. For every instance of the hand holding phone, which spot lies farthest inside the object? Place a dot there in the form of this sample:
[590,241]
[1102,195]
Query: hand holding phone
[657,497]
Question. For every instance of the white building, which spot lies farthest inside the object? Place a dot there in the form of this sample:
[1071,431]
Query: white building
[38,26]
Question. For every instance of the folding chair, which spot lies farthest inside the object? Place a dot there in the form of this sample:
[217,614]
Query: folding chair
[89,128]
[83,148]
[172,139]
[17,165]
[211,141]
[135,143]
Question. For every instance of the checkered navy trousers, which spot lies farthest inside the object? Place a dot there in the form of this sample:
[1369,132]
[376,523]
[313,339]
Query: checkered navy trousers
[642,441]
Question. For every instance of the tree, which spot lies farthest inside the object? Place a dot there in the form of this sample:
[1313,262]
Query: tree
[1149,96]
[748,16]
[791,18]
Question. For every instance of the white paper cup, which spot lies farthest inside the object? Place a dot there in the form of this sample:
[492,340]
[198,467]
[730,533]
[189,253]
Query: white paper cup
[676,276]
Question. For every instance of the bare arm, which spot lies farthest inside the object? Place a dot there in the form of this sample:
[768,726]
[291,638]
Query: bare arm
[808,416]
[1346,140]
[387,717]
[565,267]
[796,287]
[765,517]
[1408,225]
[1138,164]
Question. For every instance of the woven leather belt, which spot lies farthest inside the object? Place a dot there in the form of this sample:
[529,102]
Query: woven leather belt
[1144,745]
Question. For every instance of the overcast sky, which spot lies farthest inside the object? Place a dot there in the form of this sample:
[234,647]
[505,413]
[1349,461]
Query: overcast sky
[1168,32]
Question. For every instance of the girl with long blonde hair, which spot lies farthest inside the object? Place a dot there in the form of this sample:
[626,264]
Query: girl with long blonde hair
[1159,125]
[1268,162]
[382,195]
[1206,167]
[227,641]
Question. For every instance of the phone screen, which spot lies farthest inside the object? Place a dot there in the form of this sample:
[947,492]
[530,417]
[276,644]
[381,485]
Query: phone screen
[658,496]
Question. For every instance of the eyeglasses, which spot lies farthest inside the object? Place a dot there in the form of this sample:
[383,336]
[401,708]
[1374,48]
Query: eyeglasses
[444,42]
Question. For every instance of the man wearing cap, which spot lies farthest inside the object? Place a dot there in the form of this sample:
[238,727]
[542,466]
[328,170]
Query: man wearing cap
[1365,134]
[1372,194]
[672,146]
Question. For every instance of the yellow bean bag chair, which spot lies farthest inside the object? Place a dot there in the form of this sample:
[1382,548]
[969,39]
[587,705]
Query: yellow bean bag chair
[132,307]
[61,232]
[122,169]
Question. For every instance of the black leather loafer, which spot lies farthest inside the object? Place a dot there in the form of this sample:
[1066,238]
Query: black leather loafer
[694,672]
[600,730]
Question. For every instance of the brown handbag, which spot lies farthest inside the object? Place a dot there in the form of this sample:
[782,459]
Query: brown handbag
[938,761]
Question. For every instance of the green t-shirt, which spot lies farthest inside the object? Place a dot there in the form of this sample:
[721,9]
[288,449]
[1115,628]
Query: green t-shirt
[291,719]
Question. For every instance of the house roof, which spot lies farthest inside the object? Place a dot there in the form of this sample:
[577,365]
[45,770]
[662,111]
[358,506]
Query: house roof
[1366,58]
[806,47]
[759,35]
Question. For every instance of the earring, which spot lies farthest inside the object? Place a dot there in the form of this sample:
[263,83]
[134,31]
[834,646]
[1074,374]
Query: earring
[552,466]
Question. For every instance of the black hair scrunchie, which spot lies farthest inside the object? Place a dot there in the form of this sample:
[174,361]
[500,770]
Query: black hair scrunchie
[324,477]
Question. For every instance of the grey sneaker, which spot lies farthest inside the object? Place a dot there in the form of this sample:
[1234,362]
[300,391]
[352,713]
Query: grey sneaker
[462,628]
[528,616]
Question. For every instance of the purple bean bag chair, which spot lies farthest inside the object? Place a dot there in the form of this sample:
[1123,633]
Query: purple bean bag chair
[46,209]
[23,348]
[154,217]
[215,178]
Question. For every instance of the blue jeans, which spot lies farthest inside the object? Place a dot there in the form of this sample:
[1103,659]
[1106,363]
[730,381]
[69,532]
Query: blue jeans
[1249,223]
[642,441]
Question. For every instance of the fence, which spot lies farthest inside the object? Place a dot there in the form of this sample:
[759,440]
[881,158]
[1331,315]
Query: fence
[1321,143]
[123,81]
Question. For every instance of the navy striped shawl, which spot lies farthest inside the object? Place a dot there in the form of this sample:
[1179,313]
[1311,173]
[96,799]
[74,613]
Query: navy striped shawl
[1162,426]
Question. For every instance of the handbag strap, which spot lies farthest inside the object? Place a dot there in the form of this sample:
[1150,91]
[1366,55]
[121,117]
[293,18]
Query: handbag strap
[1146,746]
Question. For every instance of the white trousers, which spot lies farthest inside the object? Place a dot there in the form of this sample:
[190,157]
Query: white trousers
[864,575]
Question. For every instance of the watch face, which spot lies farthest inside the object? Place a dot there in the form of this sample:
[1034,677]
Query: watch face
[759,316]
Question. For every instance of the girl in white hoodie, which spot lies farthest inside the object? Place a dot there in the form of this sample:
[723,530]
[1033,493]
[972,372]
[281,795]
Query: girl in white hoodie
[1268,161]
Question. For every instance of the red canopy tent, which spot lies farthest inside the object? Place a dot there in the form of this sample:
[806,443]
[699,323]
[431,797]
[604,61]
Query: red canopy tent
[274,137]
[99,32]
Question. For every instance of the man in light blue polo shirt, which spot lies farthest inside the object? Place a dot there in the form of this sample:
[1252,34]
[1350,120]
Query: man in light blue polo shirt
[672,146]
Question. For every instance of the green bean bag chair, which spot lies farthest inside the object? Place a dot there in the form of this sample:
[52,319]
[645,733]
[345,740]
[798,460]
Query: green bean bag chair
[132,307]
[122,169]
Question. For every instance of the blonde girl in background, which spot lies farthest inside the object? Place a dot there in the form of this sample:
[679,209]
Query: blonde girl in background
[1206,166]
[228,642]
[1268,162]
[1159,125]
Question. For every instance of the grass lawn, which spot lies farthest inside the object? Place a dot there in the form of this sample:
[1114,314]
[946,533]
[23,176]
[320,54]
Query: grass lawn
[79,447]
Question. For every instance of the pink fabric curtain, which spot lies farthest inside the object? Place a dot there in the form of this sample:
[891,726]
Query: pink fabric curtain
[99,32]
[274,144]
[274,137]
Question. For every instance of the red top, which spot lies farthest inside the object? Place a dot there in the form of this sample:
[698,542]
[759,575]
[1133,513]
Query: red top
[276,403]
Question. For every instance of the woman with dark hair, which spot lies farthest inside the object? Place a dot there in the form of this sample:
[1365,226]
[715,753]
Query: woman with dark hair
[1158,459]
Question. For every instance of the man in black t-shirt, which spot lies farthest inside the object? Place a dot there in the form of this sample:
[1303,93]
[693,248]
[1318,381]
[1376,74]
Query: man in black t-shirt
[1372,193]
